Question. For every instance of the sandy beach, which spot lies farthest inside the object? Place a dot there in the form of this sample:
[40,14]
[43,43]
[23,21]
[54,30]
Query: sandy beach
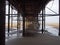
[54,25]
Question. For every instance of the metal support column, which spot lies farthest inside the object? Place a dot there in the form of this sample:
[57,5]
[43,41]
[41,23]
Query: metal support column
[2,22]
[23,25]
[23,8]
[8,18]
[43,19]
[42,22]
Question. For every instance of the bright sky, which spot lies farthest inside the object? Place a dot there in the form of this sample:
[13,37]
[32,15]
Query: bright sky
[53,5]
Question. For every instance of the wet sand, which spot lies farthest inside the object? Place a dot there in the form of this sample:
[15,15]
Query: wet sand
[54,25]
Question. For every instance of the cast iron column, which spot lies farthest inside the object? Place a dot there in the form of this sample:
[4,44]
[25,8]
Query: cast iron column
[43,18]
[23,14]
[2,22]
[8,18]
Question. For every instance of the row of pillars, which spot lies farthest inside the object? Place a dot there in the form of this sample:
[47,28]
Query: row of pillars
[2,22]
